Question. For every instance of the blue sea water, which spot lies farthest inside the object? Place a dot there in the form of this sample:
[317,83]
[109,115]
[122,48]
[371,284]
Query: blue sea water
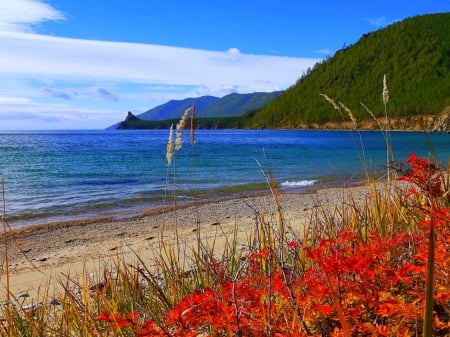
[59,175]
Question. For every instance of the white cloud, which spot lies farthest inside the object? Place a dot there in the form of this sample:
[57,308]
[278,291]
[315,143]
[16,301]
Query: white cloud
[21,15]
[233,51]
[64,58]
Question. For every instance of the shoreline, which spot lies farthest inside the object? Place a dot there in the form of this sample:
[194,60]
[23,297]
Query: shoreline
[44,255]
[117,214]
[137,210]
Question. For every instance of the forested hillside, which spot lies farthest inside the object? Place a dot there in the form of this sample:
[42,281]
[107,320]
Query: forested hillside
[413,54]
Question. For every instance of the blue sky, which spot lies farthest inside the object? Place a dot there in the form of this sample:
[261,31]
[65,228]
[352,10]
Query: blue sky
[84,64]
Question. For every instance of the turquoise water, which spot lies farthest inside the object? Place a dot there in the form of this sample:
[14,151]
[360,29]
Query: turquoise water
[73,174]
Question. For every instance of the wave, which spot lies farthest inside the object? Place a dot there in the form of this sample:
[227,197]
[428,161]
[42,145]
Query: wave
[300,183]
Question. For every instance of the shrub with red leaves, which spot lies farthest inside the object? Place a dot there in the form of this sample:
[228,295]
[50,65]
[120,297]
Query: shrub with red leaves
[347,287]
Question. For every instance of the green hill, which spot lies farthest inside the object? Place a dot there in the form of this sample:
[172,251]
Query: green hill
[414,54]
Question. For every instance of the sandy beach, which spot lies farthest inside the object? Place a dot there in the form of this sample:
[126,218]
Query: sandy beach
[43,256]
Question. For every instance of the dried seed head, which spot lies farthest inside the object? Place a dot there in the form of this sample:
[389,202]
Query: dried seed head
[180,130]
[371,114]
[333,103]
[170,147]
[385,90]
[350,114]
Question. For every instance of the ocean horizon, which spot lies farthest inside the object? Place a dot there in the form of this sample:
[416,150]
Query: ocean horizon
[67,175]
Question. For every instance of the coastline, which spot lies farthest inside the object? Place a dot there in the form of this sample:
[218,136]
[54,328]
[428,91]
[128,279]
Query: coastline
[46,255]
[122,179]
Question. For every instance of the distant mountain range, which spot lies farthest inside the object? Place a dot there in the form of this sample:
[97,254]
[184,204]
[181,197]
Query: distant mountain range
[231,105]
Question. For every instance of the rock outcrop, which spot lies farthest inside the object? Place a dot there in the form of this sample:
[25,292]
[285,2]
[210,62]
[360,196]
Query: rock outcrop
[130,118]
[442,122]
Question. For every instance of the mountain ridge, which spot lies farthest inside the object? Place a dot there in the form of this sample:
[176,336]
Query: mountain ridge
[206,107]
[230,105]
[413,54]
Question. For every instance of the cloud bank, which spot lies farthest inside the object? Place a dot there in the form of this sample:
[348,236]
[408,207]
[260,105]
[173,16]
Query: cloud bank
[58,82]
[26,54]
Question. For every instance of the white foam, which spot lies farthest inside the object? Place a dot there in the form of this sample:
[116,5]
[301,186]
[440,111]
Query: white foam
[298,183]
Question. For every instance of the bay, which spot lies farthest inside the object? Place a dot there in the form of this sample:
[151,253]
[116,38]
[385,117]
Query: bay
[63,175]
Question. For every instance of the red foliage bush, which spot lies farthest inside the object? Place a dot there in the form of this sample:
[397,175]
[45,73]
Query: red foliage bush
[348,286]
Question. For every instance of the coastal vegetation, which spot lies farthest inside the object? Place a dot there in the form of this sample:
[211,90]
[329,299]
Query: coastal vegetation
[377,267]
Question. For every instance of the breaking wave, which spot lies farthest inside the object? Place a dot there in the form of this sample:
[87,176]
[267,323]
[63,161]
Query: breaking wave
[300,183]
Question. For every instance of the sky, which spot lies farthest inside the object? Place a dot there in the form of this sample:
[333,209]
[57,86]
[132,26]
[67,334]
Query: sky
[83,64]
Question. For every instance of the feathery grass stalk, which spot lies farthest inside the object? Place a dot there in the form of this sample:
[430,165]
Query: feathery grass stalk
[385,136]
[170,156]
[180,130]
[192,138]
[170,147]
[355,124]
[333,103]
[373,117]
[385,91]
[174,146]
[350,114]
[388,137]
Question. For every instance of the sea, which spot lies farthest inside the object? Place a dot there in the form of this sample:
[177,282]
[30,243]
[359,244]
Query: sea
[67,175]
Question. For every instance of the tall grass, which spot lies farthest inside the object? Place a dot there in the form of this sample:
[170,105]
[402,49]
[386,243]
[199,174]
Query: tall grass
[377,266]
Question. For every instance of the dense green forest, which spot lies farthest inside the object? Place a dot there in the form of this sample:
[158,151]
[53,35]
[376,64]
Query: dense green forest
[413,54]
